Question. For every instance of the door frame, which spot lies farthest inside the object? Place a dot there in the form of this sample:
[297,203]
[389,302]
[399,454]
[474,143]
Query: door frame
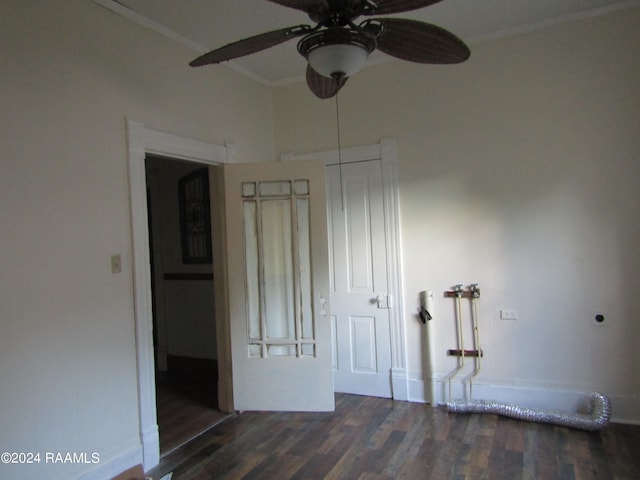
[142,140]
[385,151]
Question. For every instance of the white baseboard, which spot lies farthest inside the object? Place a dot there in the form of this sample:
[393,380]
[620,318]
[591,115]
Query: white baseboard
[147,454]
[116,465]
[150,447]
[625,407]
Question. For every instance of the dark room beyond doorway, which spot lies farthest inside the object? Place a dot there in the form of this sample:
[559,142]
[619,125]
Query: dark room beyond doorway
[184,331]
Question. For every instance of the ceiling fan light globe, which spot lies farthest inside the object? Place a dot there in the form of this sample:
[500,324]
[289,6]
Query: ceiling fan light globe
[342,60]
[337,52]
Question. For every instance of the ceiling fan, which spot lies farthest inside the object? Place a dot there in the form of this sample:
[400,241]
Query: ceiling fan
[336,47]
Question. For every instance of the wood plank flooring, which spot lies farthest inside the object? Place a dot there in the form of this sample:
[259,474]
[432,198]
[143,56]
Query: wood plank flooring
[374,439]
[185,410]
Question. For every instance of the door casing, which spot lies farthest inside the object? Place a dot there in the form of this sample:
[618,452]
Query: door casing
[141,141]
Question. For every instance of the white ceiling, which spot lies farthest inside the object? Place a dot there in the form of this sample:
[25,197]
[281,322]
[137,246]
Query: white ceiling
[204,25]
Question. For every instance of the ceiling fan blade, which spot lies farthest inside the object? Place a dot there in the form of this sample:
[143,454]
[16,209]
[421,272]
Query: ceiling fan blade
[321,86]
[385,7]
[417,41]
[250,45]
[305,5]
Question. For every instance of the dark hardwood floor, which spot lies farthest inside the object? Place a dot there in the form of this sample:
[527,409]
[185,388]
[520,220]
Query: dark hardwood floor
[373,439]
[186,408]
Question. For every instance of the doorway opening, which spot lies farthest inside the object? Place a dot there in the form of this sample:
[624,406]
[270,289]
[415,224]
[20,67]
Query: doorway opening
[143,141]
[183,308]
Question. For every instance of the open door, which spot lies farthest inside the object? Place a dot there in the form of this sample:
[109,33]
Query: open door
[277,270]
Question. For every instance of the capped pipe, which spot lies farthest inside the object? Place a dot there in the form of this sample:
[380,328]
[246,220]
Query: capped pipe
[426,315]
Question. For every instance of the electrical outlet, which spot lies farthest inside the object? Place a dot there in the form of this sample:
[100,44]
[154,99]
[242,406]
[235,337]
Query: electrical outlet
[508,314]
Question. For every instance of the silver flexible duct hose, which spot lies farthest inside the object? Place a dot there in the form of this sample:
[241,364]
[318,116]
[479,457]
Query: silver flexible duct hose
[597,418]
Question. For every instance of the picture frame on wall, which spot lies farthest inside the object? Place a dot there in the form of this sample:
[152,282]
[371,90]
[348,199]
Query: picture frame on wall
[195,217]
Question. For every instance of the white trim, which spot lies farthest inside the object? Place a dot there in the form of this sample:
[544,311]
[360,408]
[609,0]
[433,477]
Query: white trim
[386,151]
[345,155]
[115,466]
[174,146]
[389,156]
[552,22]
[146,22]
[142,140]
[399,383]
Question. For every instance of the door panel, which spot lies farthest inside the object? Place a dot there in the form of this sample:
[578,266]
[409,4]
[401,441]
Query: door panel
[362,345]
[277,259]
[358,226]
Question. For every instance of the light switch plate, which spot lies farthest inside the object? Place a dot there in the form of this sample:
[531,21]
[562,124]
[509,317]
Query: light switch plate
[116,264]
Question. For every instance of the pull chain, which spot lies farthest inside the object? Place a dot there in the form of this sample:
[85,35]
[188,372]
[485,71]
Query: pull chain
[337,79]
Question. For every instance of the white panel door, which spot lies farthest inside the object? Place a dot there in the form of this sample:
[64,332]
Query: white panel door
[277,269]
[360,316]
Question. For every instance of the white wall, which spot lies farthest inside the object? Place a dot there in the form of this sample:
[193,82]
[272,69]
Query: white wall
[70,73]
[518,170]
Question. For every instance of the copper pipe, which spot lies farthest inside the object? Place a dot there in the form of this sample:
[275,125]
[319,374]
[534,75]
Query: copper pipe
[475,294]
[458,295]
